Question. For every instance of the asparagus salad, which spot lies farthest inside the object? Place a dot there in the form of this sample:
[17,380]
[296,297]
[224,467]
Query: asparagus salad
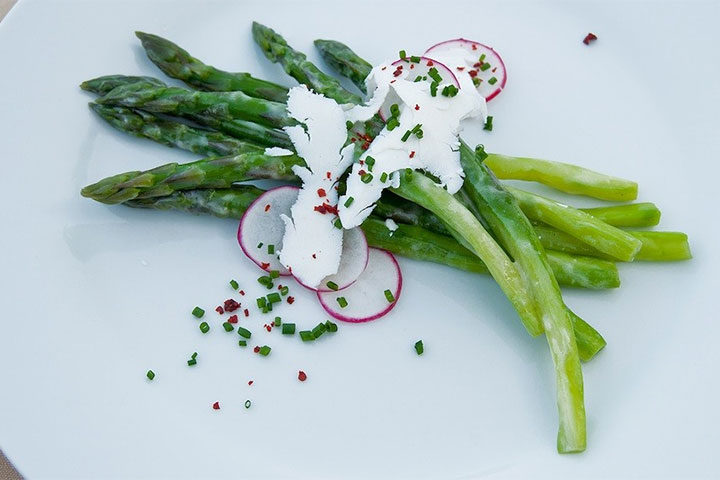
[374,173]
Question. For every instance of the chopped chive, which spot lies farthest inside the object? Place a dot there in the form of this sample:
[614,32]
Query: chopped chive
[367,178]
[288,328]
[271,249]
[331,327]
[198,312]
[150,374]
[332,286]
[261,302]
[433,89]
[244,332]
[260,245]
[435,75]
[228,327]
[484,66]
[370,162]
[248,403]
[267,308]
[389,295]
[418,78]
[419,348]
[403,55]
[242,343]
[492,81]
[476,81]
[415,59]
[319,329]
[406,136]
[419,133]
[480,152]
[234,284]
[383,177]
[274,297]
[349,125]
[265,280]
[394,110]
[450,91]
[204,327]
[338,224]
[277,322]
[274,273]
[194,355]
[265,350]
[284,290]
[307,336]
[348,202]
[392,123]
[191,362]
[488,125]
[482,57]
[342,302]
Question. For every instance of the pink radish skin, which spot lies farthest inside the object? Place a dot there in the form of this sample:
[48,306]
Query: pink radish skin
[351,268]
[258,225]
[492,57]
[421,68]
[366,297]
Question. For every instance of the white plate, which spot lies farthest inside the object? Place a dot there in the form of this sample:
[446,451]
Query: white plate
[93,296]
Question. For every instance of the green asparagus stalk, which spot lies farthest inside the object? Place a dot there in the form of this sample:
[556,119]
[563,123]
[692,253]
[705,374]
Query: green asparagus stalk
[219,172]
[562,176]
[178,63]
[107,83]
[344,61]
[179,101]
[515,233]
[583,226]
[172,134]
[295,64]
[656,246]
[633,215]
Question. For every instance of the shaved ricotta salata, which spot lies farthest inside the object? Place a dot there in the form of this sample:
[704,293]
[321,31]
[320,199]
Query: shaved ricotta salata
[423,108]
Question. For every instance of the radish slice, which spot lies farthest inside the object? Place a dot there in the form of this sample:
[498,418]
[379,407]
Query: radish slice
[366,298]
[261,226]
[410,70]
[464,56]
[353,260]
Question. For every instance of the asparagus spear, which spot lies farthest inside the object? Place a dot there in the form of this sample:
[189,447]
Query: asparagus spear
[218,172]
[562,176]
[107,83]
[179,101]
[344,61]
[295,64]
[178,63]
[632,215]
[515,233]
[171,133]
[583,226]
[656,246]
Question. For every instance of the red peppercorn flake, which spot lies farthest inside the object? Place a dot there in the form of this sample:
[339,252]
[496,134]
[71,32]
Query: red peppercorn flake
[392,81]
[321,192]
[461,68]
[397,73]
[268,328]
[384,68]
[473,73]
[366,145]
[361,172]
[220,310]
[231,305]
[412,65]
[417,107]
[328,175]
[280,287]
[291,300]
[353,139]
[302,376]
[590,37]
[256,349]
[474,47]
[233,319]
[477,65]
[264,265]
[267,207]
[242,292]
[430,63]
[412,154]
[251,381]
[216,406]
[246,312]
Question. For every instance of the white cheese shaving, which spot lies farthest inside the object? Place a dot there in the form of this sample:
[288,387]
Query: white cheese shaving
[391,225]
[277,152]
[437,152]
[312,245]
